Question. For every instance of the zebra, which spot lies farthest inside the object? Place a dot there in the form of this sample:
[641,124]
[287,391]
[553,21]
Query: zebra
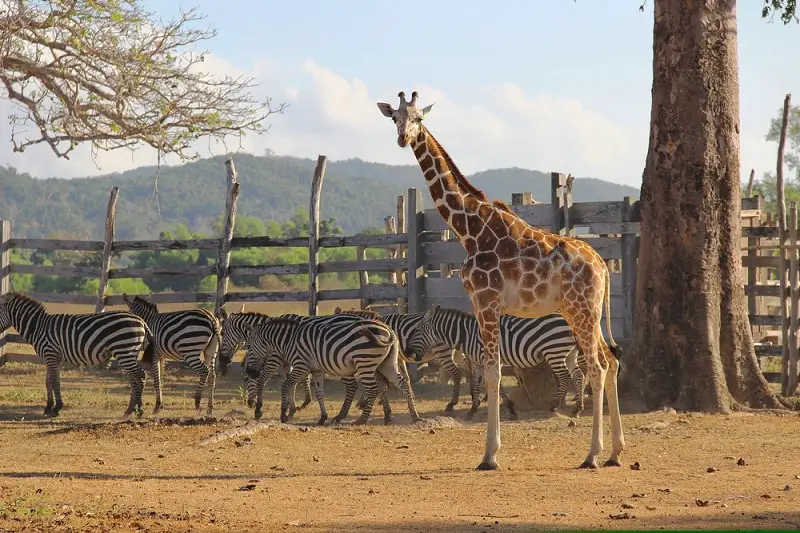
[189,335]
[366,350]
[82,340]
[524,343]
[404,326]
[235,328]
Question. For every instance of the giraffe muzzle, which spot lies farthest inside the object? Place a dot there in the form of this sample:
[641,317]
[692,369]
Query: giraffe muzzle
[402,142]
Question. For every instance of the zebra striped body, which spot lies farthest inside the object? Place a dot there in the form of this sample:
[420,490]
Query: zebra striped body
[365,350]
[191,335]
[82,340]
[404,325]
[524,343]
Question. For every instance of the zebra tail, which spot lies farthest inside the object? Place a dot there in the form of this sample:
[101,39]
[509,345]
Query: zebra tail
[371,336]
[149,354]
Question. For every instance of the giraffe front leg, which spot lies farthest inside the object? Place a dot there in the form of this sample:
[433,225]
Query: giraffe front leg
[489,323]
[597,375]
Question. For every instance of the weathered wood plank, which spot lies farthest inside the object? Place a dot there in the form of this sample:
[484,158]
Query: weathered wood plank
[167,298]
[372,292]
[57,244]
[766,231]
[48,270]
[539,215]
[313,236]
[607,247]
[162,245]
[754,261]
[369,265]
[629,268]
[763,350]
[268,296]
[105,259]
[454,288]
[766,320]
[5,269]
[187,270]
[612,227]
[762,290]
[223,263]
[269,270]
[414,280]
[79,299]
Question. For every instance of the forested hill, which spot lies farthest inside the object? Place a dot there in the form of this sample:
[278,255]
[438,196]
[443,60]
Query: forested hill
[357,193]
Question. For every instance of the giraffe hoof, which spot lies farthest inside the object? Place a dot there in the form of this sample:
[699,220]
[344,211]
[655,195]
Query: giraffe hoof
[612,462]
[588,464]
[487,465]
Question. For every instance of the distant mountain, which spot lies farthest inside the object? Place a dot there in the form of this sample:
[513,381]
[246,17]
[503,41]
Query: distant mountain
[357,193]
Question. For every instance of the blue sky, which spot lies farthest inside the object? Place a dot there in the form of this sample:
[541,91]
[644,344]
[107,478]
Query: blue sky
[551,85]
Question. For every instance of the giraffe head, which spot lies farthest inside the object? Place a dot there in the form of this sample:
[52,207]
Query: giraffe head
[407,117]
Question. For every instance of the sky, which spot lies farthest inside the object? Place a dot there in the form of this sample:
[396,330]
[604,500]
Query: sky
[555,85]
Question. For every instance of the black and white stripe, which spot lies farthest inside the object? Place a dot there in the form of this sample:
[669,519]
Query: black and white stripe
[190,335]
[82,340]
[235,329]
[405,325]
[524,343]
[355,349]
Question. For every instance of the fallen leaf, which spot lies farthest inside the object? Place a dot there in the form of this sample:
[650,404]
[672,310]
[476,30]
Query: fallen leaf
[249,486]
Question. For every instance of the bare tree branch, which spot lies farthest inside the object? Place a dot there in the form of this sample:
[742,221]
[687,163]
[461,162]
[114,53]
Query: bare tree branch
[110,74]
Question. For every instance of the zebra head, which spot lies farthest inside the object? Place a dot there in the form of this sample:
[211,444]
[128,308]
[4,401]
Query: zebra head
[235,329]
[425,336]
[140,306]
[20,311]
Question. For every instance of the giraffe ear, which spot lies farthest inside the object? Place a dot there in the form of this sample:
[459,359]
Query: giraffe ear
[386,109]
[426,110]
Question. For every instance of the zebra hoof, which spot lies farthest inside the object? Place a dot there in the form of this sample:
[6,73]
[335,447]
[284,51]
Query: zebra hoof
[487,465]
[258,414]
[588,464]
[387,419]
[47,410]
[612,462]
[303,405]
[469,415]
[449,407]
[360,422]
[321,421]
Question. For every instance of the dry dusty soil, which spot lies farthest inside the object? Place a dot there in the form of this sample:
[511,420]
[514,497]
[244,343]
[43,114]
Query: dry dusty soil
[85,471]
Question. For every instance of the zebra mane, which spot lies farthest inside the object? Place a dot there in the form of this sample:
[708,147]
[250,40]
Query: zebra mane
[249,314]
[146,303]
[24,298]
[448,311]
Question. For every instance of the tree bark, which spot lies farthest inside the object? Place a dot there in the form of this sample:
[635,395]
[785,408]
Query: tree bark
[693,343]
[536,388]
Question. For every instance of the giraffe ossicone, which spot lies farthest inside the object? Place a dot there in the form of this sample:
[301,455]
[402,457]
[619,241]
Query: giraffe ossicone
[513,268]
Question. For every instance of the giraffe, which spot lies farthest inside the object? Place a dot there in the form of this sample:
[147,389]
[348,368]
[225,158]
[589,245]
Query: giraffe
[516,269]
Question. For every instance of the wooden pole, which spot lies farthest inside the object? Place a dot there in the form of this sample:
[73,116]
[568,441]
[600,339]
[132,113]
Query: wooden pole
[401,249]
[750,183]
[363,276]
[787,102]
[794,292]
[629,264]
[5,275]
[391,229]
[105,262]
[313,236]
[224,256]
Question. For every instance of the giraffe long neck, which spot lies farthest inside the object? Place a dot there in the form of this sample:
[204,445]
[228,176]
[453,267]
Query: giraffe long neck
[453,195]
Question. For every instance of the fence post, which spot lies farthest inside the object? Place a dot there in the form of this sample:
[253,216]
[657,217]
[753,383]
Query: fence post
[401,250]
[391,229]
[794,317]
[363,275]
[313,236]
[629,257]
[414,279]
[105,261]
[224,256]
[5,275]
[561,202]
[755,304]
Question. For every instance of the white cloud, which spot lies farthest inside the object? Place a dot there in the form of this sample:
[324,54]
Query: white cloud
[482,127]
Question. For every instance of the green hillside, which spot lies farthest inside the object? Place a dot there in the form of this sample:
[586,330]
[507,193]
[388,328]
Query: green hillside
[357,193]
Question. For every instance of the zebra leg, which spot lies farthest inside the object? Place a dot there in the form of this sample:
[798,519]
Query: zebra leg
[350,387]
[508,403]
[319,386]
[52,368]
[137,378]
[580,383]
[449,366]
[155,370]
[196,363]
[212,384]
[383,395]
[475,391]
[388,369]
[288,386]
[307,389]
[564,380]
[371,391]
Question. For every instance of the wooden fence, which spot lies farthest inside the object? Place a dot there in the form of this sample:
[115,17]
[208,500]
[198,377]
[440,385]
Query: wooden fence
[423,261]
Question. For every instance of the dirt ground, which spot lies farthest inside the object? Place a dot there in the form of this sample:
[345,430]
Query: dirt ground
[85,471]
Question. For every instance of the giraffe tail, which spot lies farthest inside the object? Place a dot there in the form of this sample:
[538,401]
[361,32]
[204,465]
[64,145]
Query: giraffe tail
[613,346]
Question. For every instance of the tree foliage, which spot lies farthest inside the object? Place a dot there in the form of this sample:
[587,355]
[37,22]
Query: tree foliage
[111,74]
[785,9]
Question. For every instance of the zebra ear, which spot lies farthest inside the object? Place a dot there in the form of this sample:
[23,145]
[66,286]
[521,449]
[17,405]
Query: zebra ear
[242,309]
[126,298]
[431,312]
[337,311]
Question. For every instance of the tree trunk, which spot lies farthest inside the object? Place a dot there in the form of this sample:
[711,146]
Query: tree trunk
[536,388]
[693,344]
